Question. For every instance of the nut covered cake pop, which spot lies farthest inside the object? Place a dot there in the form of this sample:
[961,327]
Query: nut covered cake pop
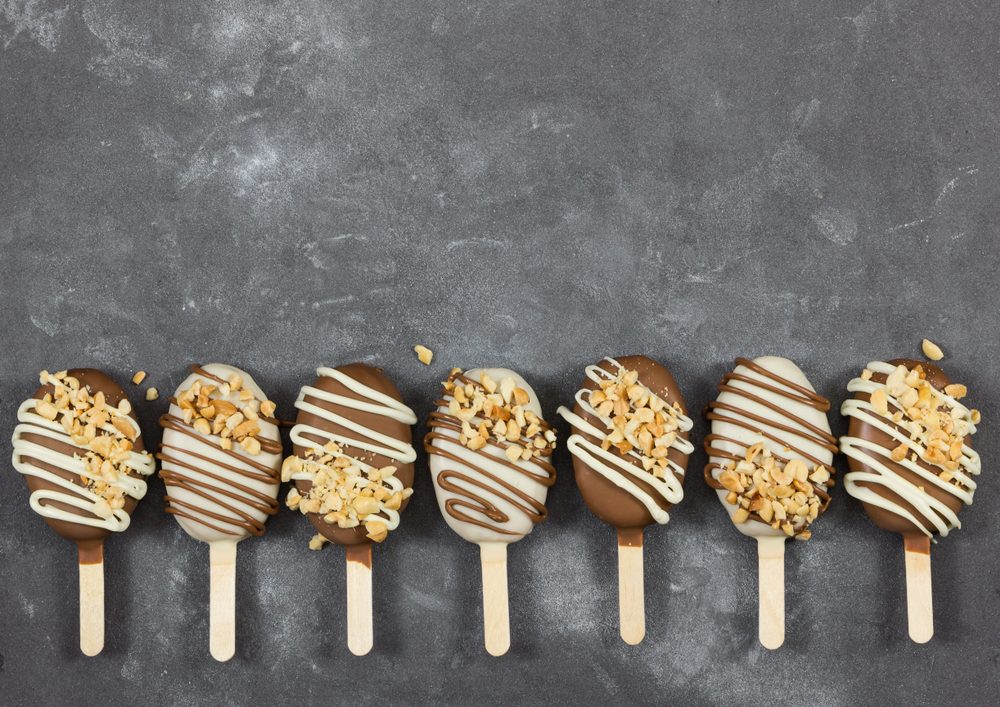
[79,446]
[770,461]
[220,461]
[911,464]
[490,453]
[353,473]
[630,450]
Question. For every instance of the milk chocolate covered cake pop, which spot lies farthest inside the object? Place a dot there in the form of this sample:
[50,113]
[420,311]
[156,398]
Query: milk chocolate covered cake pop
[770,461]
[912,467]
[630,450]
[220,461]
[80,449]
[353,473]
[490,455]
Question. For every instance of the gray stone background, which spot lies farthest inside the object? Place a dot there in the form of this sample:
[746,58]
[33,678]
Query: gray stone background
[282,185]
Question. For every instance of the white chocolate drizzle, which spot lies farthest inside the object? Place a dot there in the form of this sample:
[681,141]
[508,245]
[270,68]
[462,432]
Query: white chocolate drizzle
[74,495]
[934,516]
[619,468]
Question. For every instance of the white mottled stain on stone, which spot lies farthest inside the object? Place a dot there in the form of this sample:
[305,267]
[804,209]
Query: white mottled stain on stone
[836,225]
[38,19]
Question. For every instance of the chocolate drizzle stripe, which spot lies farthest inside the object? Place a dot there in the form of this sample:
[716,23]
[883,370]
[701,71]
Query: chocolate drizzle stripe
[443,430]
[789,431]
[178,464]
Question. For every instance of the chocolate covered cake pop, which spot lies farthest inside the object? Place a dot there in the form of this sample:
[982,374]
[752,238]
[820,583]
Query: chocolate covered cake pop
[912,466]
[220,461]
[79,446]
[770,461]
[490,455]
[630,450]
[353,473]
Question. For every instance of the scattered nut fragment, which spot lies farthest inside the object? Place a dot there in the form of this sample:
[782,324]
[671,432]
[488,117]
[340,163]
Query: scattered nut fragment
[956,390]
[424,354]
[316,542]
[931,350]
[139,377]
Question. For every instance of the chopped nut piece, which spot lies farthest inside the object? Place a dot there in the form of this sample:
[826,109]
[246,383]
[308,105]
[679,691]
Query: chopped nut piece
[956,390]
[931,350]
[424,354]
[139,377]
[46,410]
[316,542]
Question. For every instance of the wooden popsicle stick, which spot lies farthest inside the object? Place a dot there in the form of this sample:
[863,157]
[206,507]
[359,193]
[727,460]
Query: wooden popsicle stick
[771,587]
[360,636]
[631,593]
[92,607]
[919,601]
[496,613]
[222,599]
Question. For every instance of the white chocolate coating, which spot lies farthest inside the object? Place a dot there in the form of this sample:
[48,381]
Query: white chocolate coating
[934,516]
[613,467]
[491,459]
[74,495]
[770,429]
[210,487]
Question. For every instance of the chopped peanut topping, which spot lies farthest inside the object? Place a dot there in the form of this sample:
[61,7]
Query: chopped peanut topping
[496,411]
[782,495]
[103,430]
[139,377]
[638,421]
[346,492]
[206,408]
[937,424]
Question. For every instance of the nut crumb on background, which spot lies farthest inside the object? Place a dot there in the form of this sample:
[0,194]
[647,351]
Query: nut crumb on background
[424,354]
[931,350]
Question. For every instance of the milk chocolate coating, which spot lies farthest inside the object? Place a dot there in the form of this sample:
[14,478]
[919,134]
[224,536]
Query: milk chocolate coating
[89,539]
[373,378]
[883,518]
[609,502]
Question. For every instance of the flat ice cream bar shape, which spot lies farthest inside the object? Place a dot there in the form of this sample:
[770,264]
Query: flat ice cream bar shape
[220,461]
[490,459]
[490,454]
[912,466]
[353,473]
[908,447]
[770,449]
[79,446]
[770,460]
[630,445]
